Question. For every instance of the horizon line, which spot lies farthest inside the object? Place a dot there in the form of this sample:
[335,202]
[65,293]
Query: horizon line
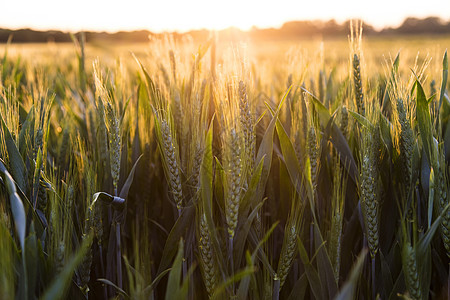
[194,29]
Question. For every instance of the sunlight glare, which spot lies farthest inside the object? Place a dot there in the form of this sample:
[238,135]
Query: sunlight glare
[182,16]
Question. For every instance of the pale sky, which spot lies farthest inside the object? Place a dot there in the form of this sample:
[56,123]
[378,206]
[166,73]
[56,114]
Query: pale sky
[184,15]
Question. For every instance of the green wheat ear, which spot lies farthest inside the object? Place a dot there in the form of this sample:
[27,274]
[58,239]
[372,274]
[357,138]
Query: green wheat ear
[114,144]
[406,142]
[207,258]
[234,182]
[247,125]
[359,96]
[170,156]
[440,182]
[368,190]
[292,231]
[337,217]
[287,252]
[313,154]
[410,271]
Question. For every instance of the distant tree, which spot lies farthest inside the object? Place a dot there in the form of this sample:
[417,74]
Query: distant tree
[289,30]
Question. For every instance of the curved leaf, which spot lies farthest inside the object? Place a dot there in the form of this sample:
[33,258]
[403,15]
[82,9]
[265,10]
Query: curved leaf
[361,119]
[424,120]
[183,222]
[117,203]
[324,114]
[173,290]
[118,289]
[311,273]
[444,78]
[289,157]
[17,208]
[16,164]
[126,186]
[341,145]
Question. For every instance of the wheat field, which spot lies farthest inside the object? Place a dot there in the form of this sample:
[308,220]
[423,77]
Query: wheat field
[315,169]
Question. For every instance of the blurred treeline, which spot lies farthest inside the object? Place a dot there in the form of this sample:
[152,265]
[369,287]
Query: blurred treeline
[289,31]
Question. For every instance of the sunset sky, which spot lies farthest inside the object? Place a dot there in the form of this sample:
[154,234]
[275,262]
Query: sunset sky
[184,15]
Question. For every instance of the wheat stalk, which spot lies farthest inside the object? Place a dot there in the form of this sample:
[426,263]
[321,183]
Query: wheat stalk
[170,157]
[234,164]
[368,190]
[344,121]
[337,218]
[59,257]
[38,142]
[207,261]
[406,141]
[322,86]
[113,126]
[355,45]
[102,135]
[7,274]
[291,233]
[441,187]
[410,271]
[173,65]
[114,144]
[313,154]
[85,266]
[359,96]
[287,252]
[197,161]
[247,125]
[64,146]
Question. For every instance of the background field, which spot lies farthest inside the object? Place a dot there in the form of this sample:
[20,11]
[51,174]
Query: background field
[308,169]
